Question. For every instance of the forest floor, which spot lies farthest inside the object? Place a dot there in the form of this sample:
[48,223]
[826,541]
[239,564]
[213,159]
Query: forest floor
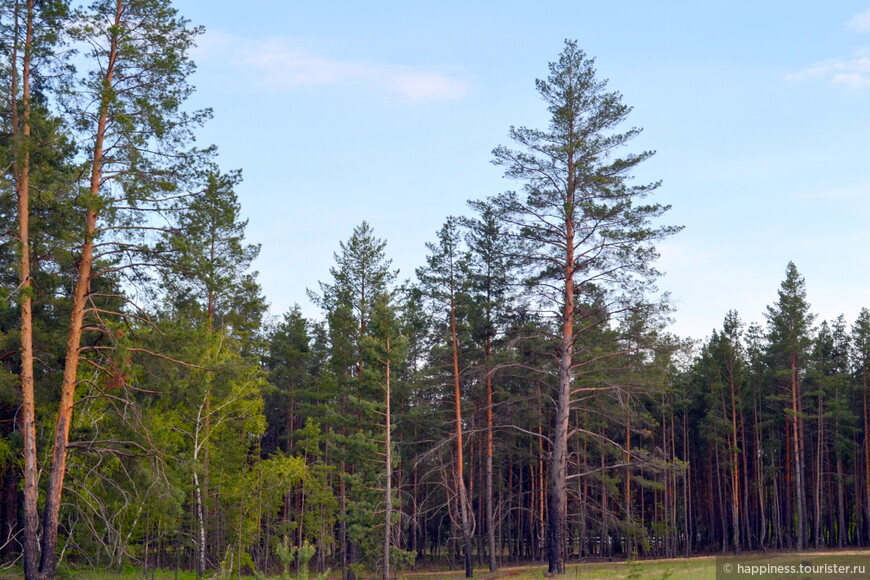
[692,568]
[679,569]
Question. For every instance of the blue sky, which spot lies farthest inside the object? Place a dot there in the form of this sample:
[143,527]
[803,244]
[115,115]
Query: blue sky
[388,111]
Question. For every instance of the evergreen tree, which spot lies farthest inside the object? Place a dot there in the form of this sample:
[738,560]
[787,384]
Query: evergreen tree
[361,274]
[445,283]
[861,365]
[209,286]
[289,362]
[720,370]
[584,231]
[491,302]
[138,65]
[30,37]
[789,332]
[386,348]
[210,271]
[829,384]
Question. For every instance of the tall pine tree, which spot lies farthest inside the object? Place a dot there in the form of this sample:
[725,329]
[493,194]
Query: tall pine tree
[584,229]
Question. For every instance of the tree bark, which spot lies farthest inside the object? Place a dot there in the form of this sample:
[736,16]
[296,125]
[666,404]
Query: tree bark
[459,477]
[865,379]
[388,489]
[759,481]
[735,467]
[817,488]
[490,520]
[48,561]
[21,130]
[797,447]
[558,501]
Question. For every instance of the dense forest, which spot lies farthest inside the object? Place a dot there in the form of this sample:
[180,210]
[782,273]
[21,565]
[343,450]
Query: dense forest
[519,398]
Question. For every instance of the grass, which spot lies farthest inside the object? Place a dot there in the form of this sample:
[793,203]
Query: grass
[702,568]
[695,568]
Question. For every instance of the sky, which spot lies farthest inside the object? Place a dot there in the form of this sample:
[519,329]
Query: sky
[759,113]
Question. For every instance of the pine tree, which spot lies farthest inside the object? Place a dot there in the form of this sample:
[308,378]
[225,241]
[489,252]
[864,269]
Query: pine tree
[289,361]
[386,348]
[31,33]
[789,331]
[444,282]
[134,135]
[720,370]
[361,274]
[584,231]
[829,383]
[207,272]
[861,365]
[489,275]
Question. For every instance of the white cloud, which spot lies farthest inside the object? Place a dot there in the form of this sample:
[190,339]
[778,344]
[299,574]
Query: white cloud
[279,65]
[852,73]
[426,86]
[860,22]
[852,80]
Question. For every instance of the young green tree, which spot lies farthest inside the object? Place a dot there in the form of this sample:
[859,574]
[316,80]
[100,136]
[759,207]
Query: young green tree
[386,347]
[361,274]
[210,410]
[584,228]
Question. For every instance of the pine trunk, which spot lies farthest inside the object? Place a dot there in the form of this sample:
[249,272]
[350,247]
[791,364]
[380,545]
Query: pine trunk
[735,469]
[817,488]
[558,501]
[48,561]
[21,170]
[866,384]
[459,476]
[490,520]
[388,489]
[797,447]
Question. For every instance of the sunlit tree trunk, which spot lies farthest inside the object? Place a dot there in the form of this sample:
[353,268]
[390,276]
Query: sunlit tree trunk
[63,422]
[21,132]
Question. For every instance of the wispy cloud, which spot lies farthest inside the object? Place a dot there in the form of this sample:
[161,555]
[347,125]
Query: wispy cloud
[860,22]
[279,65]
[850,73]
[853,73]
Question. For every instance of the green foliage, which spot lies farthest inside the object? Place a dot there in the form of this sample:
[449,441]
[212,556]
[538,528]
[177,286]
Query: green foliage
[291,366]
[187,421]
[790,321]
[207,275]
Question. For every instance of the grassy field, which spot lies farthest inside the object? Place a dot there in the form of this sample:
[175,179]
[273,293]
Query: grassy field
[696,568]
[691,569]
[702,568]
